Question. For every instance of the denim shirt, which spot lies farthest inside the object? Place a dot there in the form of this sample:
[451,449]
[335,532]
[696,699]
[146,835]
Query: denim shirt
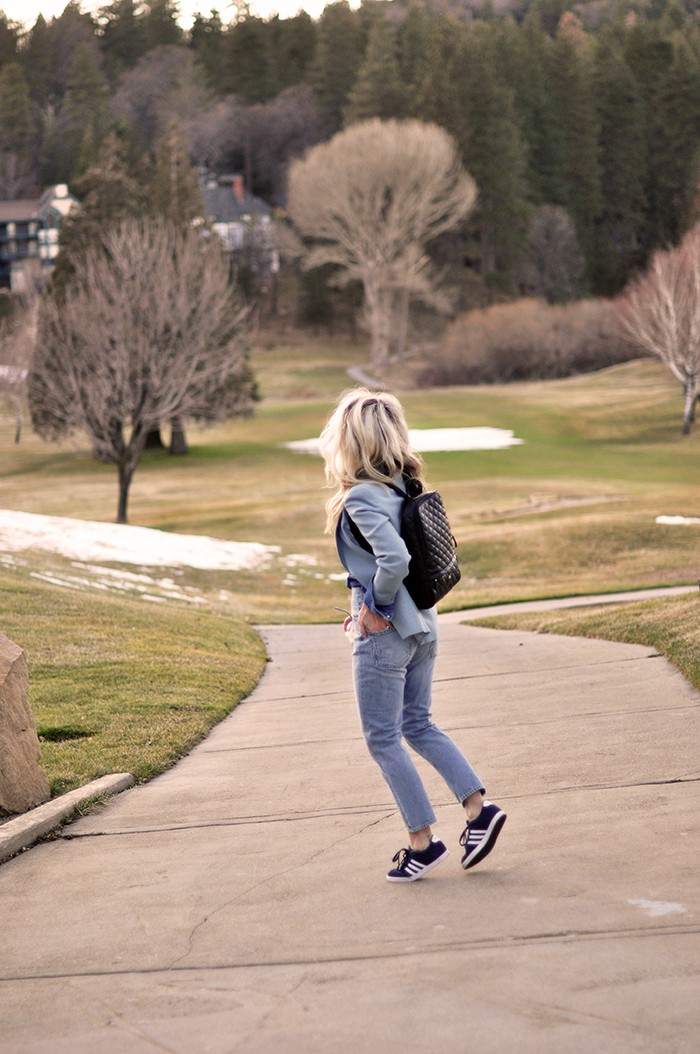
[376,510]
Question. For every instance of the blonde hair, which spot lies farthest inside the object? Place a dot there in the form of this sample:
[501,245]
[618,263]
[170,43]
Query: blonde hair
[366,441]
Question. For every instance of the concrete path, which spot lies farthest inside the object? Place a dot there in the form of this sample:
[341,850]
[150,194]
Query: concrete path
[239,903]
[558,603]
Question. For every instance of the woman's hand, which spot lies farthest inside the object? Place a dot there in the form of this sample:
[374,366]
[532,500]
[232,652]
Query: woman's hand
[368,622]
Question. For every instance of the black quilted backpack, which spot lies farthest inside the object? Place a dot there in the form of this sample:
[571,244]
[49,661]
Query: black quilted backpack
[425,529]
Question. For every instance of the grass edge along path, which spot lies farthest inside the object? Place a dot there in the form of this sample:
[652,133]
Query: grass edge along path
[121,685]
[671,626]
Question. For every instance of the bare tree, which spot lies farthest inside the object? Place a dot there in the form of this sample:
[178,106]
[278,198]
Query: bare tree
[17,178]
[17,339]
[370,199]
[555,265]
[149,328]
[660,313]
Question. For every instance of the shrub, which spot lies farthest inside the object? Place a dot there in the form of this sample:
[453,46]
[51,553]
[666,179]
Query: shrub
[528,340]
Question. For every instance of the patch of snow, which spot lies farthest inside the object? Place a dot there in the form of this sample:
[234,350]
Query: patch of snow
[657,908]
[52,580]
[431,439]
[12,373]
[677,521]
[145,546]
[298,560]
[112,572]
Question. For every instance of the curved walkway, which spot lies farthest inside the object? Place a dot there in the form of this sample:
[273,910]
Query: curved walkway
[238,903]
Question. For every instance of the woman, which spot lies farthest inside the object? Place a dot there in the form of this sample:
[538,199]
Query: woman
[365,445]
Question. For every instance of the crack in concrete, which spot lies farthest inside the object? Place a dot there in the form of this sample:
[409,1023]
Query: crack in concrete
[118,1021]
[363,810]
[584,715]
[467,677]
[270,878]
[261,1022]
[459,945]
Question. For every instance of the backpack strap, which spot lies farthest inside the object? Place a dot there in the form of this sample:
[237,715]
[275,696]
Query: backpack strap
[358,535]
[355,530]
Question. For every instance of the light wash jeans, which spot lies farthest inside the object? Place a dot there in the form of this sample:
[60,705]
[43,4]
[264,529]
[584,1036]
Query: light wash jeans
[393,685]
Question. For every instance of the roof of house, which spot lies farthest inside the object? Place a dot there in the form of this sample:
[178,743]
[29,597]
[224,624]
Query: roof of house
[56,198]
[222,203]
[19,211]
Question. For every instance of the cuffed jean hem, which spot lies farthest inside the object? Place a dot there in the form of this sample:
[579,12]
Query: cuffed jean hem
[414,830]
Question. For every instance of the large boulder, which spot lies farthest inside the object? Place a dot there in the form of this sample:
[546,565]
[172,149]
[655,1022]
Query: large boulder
[23,784]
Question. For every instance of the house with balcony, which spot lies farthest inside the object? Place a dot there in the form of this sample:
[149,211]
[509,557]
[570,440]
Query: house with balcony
[242,221]
[29,236]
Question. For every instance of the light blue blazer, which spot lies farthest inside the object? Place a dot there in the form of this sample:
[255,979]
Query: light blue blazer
[376,510]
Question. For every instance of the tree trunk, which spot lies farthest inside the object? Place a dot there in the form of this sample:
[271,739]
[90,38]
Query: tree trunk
[403,325]
[18,428]
[153,440]
[178,441]
[274,297]
[379,304]
[691,392]
[125,476]
[488,249]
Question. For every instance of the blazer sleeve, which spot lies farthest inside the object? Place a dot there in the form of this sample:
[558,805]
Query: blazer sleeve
[369,505]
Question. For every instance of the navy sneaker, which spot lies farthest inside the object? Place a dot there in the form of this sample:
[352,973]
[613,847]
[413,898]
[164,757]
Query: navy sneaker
[412,864]
[479,836]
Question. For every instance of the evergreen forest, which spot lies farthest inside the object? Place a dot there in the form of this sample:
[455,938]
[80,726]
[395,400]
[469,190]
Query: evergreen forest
[576,118]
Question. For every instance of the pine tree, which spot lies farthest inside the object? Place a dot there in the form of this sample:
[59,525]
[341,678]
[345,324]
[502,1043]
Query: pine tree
[414,43]
[160,26]
[525,60]
[16,123]
[494,153]
[623,163]
[38,58]
[572,78]
[17,135]
[437,96]
[294,46]
[249,61]
[85,106]
[72,29]
[123,40]
[338,56]
[208,42]
[174,191]
[549,13]
[9,39]
[379,90]
[674,128]
[110,191]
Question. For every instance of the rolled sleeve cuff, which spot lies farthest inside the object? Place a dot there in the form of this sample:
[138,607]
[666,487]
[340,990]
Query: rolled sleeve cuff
[385,610]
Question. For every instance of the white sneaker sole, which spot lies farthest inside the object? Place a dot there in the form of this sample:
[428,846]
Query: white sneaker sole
[487,843]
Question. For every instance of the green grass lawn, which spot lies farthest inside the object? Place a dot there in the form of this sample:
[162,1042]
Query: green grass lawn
[118,685]
[570,511]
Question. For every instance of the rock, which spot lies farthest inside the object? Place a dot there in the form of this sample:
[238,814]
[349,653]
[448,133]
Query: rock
[23,783]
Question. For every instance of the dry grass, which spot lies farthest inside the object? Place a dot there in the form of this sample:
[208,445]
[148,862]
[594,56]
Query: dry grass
[572,510]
